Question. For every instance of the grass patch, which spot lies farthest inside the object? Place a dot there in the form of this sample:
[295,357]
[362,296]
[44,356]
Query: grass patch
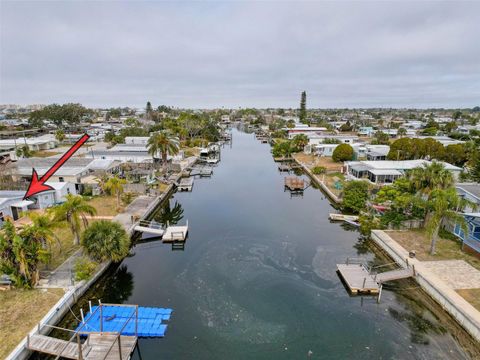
[162,187]
[471,295]
[20,311]
[62,249]
[312,161]
[105,205]
[447,249]
[44,153]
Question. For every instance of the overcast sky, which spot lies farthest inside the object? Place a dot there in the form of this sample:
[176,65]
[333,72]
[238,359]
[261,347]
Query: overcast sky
[231,54]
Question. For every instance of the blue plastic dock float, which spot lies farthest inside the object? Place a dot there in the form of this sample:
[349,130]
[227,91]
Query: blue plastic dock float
[115,318]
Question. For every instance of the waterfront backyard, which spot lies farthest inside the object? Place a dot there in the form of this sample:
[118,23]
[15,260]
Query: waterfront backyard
[257,278]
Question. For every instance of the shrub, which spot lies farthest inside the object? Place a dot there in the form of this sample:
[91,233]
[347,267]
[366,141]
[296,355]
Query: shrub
[355,196]
[105,240]
[318,170]
[342,152]
[84,268]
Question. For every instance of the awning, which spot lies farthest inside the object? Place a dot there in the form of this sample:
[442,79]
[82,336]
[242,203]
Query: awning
[385,172]
[22,204]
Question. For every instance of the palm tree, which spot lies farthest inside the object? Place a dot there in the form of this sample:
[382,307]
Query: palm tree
[42,228]
[300,141]
[21,253]
[444,206]
[106,240]
[164,143]
[74,210]
[60,135]
[431,176]
[402,132]
[102,180]
[114,186]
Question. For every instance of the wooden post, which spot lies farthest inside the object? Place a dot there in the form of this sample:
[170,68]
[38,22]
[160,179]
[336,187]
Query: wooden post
[414,273]
[28,341]
[81,314]
[379,293]
[119,347]
[136,320]
[101,318]
[90,305]
[80,355]
[364,281]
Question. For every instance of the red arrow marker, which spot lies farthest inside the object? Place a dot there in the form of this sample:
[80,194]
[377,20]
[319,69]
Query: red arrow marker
[38,185]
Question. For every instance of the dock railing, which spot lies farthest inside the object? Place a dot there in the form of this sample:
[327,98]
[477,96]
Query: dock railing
[150,224]
[118,339]
[76,334]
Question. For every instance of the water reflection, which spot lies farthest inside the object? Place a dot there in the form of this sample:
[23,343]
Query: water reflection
[169,215]
[120,286]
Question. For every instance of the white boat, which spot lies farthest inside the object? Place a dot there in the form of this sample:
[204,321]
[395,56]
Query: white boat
[352,222]
[342,217]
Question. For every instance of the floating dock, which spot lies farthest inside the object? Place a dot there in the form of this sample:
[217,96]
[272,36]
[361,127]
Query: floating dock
[186,184]
[107,332]
[202,171]
[283,167]
[360,279]
[118,318]
[294,183]
[175,234]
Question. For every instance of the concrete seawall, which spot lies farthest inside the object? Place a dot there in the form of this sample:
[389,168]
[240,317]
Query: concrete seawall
[56,313]
[61,308]
[462,311]
[320,183]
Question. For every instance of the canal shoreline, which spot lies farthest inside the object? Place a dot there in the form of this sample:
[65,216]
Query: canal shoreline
[451,302]
[457,308]
[320,183]
[70,298]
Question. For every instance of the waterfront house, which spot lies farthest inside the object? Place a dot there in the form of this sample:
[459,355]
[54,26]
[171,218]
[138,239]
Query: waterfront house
[303,129]
[471,241]
[385,171]
[74,171]
[13,205]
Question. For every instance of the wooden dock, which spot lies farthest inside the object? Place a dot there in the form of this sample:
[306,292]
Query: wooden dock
[186,184]
[97,345]
[360,279]
[294,183]
[283,167]
[175,234]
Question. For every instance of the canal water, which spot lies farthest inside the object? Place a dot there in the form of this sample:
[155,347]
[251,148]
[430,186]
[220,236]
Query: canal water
[257,278]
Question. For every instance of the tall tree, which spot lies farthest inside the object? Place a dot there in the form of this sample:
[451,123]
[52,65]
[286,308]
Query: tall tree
[21,253]
[429,177]
[74,210]
[444,206]
[162,142]
[303,107]
[148,110]
[114,186]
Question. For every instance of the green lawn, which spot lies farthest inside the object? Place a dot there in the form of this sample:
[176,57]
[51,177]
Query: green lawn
[63,248]
[447,249]
[106,205]
[20,311]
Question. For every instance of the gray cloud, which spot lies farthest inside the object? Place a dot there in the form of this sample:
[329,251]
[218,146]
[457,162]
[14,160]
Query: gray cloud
[212,54]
